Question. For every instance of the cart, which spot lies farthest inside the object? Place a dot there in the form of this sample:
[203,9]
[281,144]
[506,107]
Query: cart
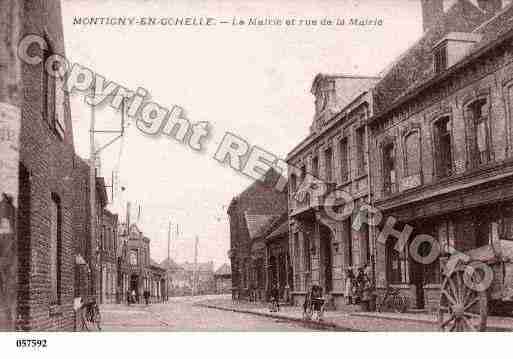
[313,307]
[478,282]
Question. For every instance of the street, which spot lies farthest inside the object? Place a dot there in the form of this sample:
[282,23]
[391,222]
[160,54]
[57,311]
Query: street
[180,314]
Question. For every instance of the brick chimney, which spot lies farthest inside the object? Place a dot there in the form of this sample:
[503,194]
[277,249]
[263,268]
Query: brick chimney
[432,10]
[490,6]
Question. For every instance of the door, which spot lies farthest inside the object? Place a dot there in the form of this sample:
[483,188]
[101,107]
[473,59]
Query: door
[326,258]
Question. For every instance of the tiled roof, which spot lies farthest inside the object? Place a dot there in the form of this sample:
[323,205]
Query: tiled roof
[258,223]
[224,270]
[282,229]
[491,30]
[415,65]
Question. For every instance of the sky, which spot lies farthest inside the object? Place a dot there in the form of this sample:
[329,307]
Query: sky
[251,81]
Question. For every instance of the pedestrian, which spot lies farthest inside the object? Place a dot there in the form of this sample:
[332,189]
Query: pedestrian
[274,298]
[349,287]
[146,296]
[363,283]
[128,298]
[133,296]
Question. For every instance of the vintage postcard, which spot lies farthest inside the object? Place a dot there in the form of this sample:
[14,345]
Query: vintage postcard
[223,165]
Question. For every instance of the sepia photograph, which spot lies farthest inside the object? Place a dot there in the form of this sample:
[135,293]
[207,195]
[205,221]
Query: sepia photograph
[173,166]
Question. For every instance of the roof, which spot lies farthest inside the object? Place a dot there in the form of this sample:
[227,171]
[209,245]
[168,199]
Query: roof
[281,230]
[225,269]
[258,223]
[155,264]
[493,30]
[415,65]
[168,263]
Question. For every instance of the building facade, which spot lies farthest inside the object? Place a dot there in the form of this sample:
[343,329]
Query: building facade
[36,156]
[260,198]
[332,159]
[108,257]
[441,147]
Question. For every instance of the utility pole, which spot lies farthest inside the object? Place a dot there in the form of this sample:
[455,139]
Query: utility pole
[169,244]
[194,281]
[92,199]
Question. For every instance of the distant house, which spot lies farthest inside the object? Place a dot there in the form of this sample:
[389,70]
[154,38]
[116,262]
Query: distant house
[223,279]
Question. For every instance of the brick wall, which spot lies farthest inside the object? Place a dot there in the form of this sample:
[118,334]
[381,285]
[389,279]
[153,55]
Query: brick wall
[258,198]
[49,162]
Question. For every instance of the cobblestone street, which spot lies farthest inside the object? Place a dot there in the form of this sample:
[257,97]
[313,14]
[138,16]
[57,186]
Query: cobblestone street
[180,314]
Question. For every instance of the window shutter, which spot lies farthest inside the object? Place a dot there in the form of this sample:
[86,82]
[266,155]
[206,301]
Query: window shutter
[471,136]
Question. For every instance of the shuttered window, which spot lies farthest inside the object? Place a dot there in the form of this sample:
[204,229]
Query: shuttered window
[344,168]
[443,147]
[412,149]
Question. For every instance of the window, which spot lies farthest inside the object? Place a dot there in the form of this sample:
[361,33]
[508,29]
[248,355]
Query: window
[360,151]
[443,147]
[306,252]
[315,167]
[440,59]
[344,168]
[479,140]
[293,183]
[349,241]
[389,177]
[412,153]
[328,155]
[296,252]
[133,257]
[55,249]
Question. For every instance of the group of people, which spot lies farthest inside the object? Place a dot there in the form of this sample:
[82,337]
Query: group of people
[133,297]
[358,289]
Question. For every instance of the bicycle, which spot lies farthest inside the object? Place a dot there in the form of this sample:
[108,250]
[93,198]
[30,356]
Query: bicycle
[90,316]
[393,301]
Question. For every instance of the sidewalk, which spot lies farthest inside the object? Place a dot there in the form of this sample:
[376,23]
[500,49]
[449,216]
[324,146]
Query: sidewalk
[360,321]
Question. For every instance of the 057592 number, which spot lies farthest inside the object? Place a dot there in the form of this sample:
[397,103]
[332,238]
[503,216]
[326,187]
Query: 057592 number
[31,343]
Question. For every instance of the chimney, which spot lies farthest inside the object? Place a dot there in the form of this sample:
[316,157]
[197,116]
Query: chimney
[432,10]
[490,6]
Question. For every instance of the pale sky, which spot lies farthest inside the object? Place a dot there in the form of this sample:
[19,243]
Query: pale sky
[252,81]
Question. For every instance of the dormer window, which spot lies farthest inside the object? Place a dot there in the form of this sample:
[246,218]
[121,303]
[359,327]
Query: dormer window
[440,58]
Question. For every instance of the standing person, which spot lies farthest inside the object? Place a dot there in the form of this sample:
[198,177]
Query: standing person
[128,298]
[349,287]
[146,296]
[363,288]
[133,296]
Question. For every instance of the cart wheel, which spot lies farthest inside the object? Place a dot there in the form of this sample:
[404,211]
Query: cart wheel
[461,308]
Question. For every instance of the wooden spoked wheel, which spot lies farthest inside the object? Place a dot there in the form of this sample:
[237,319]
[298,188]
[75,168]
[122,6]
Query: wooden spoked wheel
[461,308]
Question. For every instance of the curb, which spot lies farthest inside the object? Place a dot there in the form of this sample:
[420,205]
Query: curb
[312,323]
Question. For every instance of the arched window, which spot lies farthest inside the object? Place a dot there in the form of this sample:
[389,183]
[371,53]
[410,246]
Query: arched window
[443,146]
[412,153]
[476,115]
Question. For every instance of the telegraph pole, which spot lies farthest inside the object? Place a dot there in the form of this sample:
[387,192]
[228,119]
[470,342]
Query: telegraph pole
[92,199]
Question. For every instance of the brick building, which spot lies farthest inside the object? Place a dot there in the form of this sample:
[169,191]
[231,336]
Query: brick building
[440,143]
[260,198]
[134,269]
[332,157]
[36,174]
[108,257]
